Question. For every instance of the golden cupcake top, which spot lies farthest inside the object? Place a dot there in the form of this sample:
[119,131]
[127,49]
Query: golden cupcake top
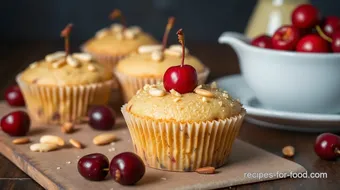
[61,69]
[151,61]
[118,39]
[205,103]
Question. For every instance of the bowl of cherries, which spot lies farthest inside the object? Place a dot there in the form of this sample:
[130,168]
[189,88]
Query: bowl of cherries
[296,69]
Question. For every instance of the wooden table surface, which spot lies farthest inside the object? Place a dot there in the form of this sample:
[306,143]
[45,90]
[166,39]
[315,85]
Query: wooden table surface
[222,61]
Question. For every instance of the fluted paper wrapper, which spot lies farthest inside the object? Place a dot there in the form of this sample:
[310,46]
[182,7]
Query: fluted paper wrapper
[59,104]
[178,146]
[131,84]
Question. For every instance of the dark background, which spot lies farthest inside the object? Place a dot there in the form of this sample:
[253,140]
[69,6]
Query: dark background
[202,20]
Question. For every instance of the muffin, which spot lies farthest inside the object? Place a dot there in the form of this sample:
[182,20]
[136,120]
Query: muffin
[149,66]
[183,132]
[61,87]
[113,43]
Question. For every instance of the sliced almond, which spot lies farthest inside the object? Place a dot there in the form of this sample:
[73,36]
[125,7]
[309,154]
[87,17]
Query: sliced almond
[156,92]
[104,139]
[55,56]
[75,143]
[72,61]
[135,29]
[203,92]
[116,27]
[91,67]
[213,85]
[82,56]
[177,99]
[59,63]
[175,93]
[67,127]
[52,139]
[129,34]
[206,170]
[33,65]
[149,48]
[288,151]
[178,48]
[42,147]
[157,56]
[22,140]
[173,53]
[102,33]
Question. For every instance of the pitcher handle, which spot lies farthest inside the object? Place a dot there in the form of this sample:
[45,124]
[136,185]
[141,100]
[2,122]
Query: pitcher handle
[233,38]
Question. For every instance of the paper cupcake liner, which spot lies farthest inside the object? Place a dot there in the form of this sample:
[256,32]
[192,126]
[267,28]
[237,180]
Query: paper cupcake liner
[131,84]
[178,146]
[59,104]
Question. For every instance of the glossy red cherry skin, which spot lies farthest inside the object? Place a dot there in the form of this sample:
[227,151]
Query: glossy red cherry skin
[127,168]
[305,16]
[312,43]
[262,41]
[183,79]
[330,25]
[336,42]
[286,38]
[326,145]
[16,123]
[101,117]
[93,167]
[14,97]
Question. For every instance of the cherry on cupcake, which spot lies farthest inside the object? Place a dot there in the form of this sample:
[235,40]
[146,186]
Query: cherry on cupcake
[285,38]
[262,41]
[127,168]
[305,16]
[16,123]
[101,117]
[312,43]
[182,78]
[327,146]
[14,97]
[94,167]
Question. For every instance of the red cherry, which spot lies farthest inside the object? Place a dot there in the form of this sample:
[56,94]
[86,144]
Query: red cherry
[336,42]
[127,168]
[327,146]
[330,25]
[16,123]
[94,167]
[312,43]
[101,118]
[305,16]
[14,97]
[263,41]
[286,38]
[182,78]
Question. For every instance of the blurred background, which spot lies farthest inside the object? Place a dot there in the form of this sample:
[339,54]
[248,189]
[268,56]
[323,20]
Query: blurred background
[202,20]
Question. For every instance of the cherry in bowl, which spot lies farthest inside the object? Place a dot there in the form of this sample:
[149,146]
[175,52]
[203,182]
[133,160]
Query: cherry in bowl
[313,43]
[330,25]
[101,117]
[336,42]
[327,146]
[305,16]
[94,167]
[127,168]
[262,41]
[14,97]
[16,123]
[286,37]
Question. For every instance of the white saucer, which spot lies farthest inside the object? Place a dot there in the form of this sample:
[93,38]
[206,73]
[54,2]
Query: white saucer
[262,116]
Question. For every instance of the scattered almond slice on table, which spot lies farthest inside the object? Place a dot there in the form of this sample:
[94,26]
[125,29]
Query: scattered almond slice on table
[23,140]
[206,170]
[51,139]
[288,151]
[75,143]
[104,139]
[41,147]
[67,127]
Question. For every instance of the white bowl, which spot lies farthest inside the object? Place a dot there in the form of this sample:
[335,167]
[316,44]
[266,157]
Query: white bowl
[289,81]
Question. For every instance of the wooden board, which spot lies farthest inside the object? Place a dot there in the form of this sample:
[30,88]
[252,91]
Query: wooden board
[42,167]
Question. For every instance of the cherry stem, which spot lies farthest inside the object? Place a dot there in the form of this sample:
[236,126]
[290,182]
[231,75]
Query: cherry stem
[169,26]
[322,34]
[66,34]
[180,35]
[106,169]
[118,14]
[337,151]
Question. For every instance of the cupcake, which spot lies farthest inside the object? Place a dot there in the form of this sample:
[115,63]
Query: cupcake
[61,87]
[186,127]
[113,43]
[149,65]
